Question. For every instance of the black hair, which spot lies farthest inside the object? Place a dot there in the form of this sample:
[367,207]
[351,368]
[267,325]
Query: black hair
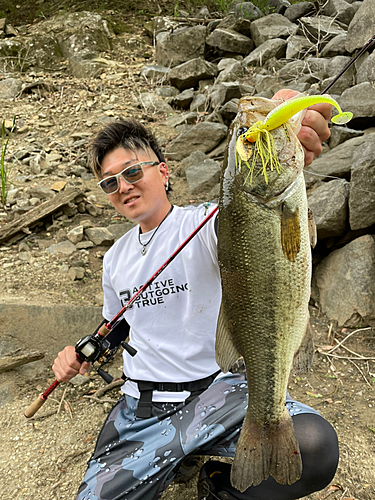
[125,133]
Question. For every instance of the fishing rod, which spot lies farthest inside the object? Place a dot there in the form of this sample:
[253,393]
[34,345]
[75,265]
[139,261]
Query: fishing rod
[95,347]
[347,66]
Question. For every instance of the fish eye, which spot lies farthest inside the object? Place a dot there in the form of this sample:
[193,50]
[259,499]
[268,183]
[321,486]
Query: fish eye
[241,131]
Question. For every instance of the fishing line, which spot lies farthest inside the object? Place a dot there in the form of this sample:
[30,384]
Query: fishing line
[339,178]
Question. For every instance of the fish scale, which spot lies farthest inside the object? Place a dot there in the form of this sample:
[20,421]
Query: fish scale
[265,264]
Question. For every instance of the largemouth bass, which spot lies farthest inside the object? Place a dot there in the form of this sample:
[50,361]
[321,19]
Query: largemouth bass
[265,264]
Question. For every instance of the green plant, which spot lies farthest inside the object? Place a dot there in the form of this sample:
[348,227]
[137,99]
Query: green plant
[4,168]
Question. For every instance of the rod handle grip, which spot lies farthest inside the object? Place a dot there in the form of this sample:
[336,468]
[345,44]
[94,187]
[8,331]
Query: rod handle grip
[34,407]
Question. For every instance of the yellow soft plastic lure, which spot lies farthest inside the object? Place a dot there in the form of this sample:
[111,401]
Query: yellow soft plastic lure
[260,132]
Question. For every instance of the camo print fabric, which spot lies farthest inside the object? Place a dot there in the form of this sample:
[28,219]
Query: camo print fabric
[136,459]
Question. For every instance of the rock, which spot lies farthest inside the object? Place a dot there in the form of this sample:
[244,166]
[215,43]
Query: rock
[76,273]
[346,80]
[61,235]
[337,162]
[340,10]
[231,73]
[226,40]
[311,69]
[319,30]
[297,47]
[79,380]
[224,92]
[329,204]
[75,235]
[100,236]
[336,47]
[184,44]
[154,104]
[10,88]
[362,187]
[195,158]
[118,230]
[247,10]
[361,28]
[202,137]
[268,84]
[65,247]
[346,283]
[188,74]
[41,192]
[229,111]
[183,99]
[270,48]
[12,53]
[277,6]
[366,71]
[199,103]
[154,72]
[342,134]
[272,26]
[167,91]
[297,10]
[203,176]
[240,25]
[360,100]
[184,118]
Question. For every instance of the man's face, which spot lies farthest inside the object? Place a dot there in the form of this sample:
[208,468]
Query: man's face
[144,202]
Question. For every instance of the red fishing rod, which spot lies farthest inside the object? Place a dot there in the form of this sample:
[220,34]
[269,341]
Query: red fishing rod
[94,347]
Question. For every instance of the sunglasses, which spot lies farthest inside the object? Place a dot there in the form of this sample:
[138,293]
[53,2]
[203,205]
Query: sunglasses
[132,174]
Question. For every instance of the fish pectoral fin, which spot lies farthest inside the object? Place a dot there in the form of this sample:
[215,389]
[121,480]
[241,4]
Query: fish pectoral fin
[290,232]
[263,451]
[312,228]
[303,357]
[226,352]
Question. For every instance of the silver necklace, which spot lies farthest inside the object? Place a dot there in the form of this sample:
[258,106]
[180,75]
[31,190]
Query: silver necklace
[144,245]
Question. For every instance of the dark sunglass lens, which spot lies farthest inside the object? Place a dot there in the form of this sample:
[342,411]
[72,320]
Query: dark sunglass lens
[109,185]
[133,173]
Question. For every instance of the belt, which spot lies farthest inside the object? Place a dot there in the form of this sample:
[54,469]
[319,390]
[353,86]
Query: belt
[146,388]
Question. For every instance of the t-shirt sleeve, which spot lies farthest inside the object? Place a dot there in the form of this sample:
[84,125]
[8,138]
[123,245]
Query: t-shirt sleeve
[111,303]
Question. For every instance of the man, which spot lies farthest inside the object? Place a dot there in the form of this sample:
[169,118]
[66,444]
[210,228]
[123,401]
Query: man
[176,403]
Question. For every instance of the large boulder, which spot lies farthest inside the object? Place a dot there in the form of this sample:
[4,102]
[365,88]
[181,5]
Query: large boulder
[362,187]
[173,49]
[272,26]
[329,204]
[189,74]
[344,283]
[227,41]
[361,28]
[265,51]
[340,10]
[204,136]
[337,162]
[320,30]
[360,100]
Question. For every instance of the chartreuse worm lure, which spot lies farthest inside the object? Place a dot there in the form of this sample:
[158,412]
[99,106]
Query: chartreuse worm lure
[259,132]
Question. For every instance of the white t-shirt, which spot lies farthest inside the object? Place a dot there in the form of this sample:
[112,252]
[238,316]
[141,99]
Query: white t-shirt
[173,322]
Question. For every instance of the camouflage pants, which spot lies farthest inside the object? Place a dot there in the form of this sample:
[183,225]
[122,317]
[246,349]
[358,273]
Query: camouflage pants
[137,458]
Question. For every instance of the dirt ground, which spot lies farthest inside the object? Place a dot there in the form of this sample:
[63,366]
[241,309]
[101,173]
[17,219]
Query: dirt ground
[45,457]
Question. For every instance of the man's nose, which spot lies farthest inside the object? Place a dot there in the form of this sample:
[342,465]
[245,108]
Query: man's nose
[124,186]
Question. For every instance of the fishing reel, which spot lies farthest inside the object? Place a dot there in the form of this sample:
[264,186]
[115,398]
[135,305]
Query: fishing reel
[95,348]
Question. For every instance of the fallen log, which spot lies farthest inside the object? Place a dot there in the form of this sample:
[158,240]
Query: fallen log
[11,362]
[33,216]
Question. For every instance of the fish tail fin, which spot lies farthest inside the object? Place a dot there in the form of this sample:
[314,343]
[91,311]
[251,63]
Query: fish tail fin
[264,451]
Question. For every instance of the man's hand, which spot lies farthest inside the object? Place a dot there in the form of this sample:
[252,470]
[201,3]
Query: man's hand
[67,366]
[314,129]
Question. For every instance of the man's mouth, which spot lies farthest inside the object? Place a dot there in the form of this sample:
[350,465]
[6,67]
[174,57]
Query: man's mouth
[129,200]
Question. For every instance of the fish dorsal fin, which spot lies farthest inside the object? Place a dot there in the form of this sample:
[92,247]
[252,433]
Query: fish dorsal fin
[312,228]
[290,232]
[303,357]
[226,352]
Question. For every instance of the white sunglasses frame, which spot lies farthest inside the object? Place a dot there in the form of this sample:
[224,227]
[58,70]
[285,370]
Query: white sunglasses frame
[116,176]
